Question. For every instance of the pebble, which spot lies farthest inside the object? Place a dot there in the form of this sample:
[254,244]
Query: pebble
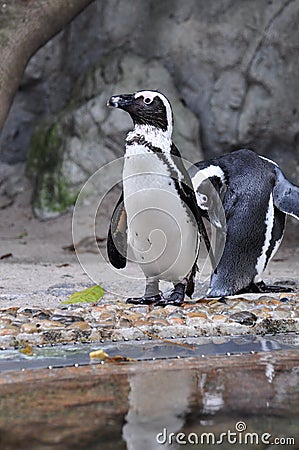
[26,310]
[291,296]
[244,318]
[124,323]
[177,314]
[41,315]
[6,319]
[176,321]
[199,314]
[131,315]
[107,316]
[170,308]
[9,330]
[220,317]
[158,321]
[38,326]
[11,311]
[83,326]
[193,308]
[97,311]
[278,314]
[261,312]
[216,307]
[196,321]
[139,323]
[66,318]
[283,307]
[48,325]
[274,302]
[29,328]
[21,318]
[105,323]
[264,310]
[157,312]
[241,306]
[112,308]
[265,299]
[139,309]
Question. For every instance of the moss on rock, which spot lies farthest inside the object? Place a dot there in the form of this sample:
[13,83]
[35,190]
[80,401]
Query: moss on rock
[51,195]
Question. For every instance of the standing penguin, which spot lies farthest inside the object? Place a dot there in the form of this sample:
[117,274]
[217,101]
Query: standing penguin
[157,216]
[246,197]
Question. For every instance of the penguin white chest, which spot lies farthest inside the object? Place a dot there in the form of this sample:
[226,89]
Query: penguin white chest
[162,232]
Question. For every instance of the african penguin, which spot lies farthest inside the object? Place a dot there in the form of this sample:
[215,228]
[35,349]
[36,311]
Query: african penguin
[246,197]
[157,216]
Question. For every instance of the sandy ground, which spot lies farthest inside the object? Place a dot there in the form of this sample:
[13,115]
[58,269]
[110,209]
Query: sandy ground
[36,270]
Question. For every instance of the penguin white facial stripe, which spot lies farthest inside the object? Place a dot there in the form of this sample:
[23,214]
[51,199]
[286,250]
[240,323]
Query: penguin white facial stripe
[293,215]
[269,221]
[149,94]
[202,201]
[269,160]
[210,171]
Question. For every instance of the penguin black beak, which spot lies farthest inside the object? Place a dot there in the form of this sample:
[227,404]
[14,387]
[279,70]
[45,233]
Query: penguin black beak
[121,101]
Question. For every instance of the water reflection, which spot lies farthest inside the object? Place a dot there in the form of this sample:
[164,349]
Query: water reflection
[200,406]
[155,400]
[128,406]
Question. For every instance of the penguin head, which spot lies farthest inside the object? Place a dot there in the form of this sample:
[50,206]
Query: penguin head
[209,196]
[150,108]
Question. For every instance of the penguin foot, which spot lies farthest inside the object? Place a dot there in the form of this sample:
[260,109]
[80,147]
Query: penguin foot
[176,296]
[261,287]
[154,299]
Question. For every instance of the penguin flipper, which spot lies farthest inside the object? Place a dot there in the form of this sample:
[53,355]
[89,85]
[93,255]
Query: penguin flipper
[286,195]
[117,236]
[188,195]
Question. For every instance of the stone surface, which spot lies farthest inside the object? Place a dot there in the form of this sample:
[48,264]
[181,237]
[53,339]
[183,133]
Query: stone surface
[112,319]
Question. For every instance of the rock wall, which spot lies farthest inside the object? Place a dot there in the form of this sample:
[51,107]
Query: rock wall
[234,64]
[86,135]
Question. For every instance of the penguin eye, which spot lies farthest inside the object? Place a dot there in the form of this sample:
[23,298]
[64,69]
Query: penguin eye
[202,201]
[147,100]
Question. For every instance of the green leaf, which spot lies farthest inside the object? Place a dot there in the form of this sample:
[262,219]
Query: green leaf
[90,295]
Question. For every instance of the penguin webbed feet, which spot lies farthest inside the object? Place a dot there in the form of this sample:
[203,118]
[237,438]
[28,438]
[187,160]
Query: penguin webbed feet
[261,287]
[175,297]
[144,300]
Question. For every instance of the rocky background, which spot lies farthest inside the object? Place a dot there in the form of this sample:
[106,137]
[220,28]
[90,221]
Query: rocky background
[230,69]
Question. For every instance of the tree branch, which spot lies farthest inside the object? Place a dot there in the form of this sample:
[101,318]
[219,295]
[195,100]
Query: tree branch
[25,26]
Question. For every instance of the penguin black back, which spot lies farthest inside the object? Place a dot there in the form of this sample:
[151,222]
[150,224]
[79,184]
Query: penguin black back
[254,215]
